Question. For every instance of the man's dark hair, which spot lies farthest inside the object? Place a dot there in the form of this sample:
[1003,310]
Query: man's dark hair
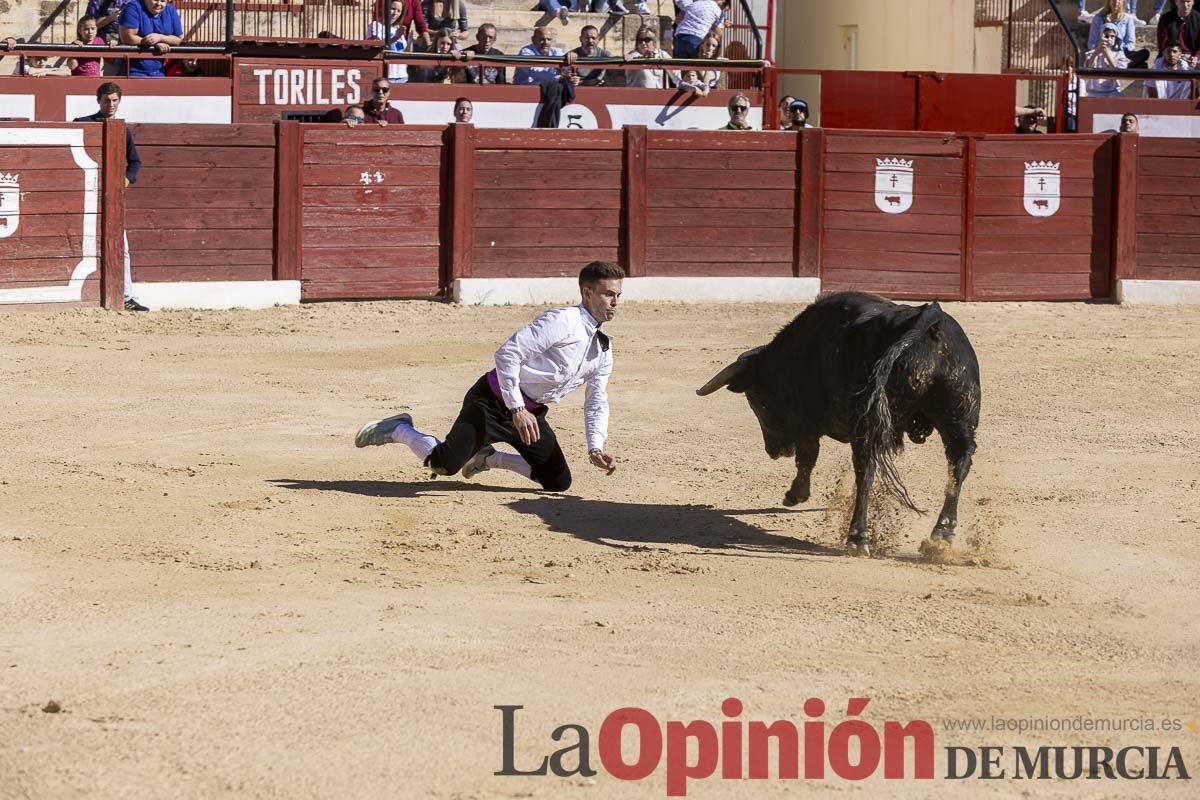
[589,28]
[458,100]
[598,271]
[108,88]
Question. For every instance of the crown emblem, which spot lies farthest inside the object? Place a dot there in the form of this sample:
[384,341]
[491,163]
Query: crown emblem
[8,178]
[894,163]
[1042,166]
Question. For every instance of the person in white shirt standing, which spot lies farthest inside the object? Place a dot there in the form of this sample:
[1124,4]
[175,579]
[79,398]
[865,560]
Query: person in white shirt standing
[541,363]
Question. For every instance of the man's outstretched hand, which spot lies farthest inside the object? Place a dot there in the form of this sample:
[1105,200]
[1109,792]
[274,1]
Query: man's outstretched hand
[603,460]
[526,425]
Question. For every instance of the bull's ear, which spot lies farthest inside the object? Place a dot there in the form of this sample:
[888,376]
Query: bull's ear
[935,328]
[728,374]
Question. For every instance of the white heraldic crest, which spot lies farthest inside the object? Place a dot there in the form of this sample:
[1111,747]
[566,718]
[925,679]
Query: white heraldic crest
[1042,184]
[893,185]
[10,204]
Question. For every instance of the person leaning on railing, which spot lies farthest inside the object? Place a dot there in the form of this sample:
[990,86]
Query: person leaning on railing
[647,47]
[151,25]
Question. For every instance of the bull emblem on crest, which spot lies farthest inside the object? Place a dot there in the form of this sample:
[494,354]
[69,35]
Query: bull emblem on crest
[10,204]
[893,185]
[1042,185]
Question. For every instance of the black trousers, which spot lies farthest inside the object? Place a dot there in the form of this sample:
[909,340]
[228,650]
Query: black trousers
[484,420]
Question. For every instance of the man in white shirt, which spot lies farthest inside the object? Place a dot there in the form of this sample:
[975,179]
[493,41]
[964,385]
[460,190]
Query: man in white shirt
[541,363]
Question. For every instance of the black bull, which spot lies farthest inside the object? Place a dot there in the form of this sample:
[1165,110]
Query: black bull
[860,369]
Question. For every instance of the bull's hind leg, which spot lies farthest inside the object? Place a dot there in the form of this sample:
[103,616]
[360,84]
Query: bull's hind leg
[806,459]
[960,446]
[864,475]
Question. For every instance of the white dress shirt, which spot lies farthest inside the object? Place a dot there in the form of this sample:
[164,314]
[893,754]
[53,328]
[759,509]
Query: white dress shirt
[551,357]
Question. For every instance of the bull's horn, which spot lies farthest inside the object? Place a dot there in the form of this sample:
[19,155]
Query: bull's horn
[730,372]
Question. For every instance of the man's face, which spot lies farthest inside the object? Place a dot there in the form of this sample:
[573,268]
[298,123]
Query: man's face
[1172,55]
[379,92]
[799,117]
[109,103]
[463,112]
[739,109]
[543,40]
[486,37]
[1129,124]
[785,110]
[155,7]
[589,39]
[1184,7]
[601,299]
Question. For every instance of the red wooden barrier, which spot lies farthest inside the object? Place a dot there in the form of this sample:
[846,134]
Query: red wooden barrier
[1167,214]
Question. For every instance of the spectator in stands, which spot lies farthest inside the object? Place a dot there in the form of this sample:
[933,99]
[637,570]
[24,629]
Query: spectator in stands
[1172,58]
[151,25]
[445,44]
[739,111]
[1028,119]
[1181,26]
[647,47]
[184,68]
[108,97]
[785,112]
[1114,13]
[107,13]
[1106,56]
[589,47]
[485,37]
[378,109]
[701,18]
[39,67]
[86,32]
[703,81]
[327,35]
[464,110]
[542,44]
[799,115]
[1158,7]
[354,116]
[376,29]
[1129,123]
[442,14]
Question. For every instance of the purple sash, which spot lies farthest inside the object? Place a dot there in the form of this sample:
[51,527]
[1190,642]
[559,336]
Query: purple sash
[494,383]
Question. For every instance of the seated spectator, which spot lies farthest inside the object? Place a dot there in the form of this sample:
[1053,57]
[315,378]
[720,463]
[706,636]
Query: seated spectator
[739,112]
[440,14]
[39,67]
[107,13]
[1114,12]
[464,110]
[701,18]
[1028,119]
[151,25]
[86,32]
[647,47]
[542,44]
[485,37]
[799,114]
[444,44]
[378,109]
[396,73]
[785,112]
[1106,56]
[589,47]
[1129,123]
[703,81]
[1172,58]
[184,68]
[354,116]
[1181,26]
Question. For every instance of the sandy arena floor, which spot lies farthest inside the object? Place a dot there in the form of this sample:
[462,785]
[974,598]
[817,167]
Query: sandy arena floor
[227,599]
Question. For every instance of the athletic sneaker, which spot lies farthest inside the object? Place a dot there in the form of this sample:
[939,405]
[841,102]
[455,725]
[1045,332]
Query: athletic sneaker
[563,15]
[643,8]
[478,462]
[618,8]
[1137,21]
[380,431]
[134,305]
[1154,20]
[1085,16]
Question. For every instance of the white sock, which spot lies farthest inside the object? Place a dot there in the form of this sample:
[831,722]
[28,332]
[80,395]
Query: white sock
[421,444]
[509,461]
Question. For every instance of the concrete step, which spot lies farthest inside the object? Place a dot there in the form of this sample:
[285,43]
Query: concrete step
[514,28]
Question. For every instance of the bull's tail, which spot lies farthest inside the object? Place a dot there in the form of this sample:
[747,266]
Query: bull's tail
[881,439]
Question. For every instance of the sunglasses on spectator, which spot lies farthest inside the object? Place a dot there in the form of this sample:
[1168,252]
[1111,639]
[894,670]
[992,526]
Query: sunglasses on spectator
[357,118]
[646,39]
[741,108]
[381,89]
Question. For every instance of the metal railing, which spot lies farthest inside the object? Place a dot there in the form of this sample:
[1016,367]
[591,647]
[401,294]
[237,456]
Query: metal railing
[1037,39]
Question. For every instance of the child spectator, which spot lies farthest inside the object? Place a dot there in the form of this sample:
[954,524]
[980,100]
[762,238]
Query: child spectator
[701,82]
[1106,56]
[354,116]
[38,67]
[445,44]
[1172,58]
[1114,12]
[184,68]
[107,13]
[86,31]
[397,73]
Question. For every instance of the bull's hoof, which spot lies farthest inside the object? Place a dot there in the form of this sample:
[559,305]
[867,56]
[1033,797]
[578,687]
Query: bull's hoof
[790,499]
[934,548]
[858,549]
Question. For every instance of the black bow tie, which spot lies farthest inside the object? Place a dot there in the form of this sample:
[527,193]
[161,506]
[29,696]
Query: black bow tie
[602,337]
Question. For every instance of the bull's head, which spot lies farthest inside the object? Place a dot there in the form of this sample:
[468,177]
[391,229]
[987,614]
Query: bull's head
[740,377]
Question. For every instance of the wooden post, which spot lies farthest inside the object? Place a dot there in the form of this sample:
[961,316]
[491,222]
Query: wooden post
[810,201]
[968,220]
[633,224]
[460,240]
[1124,209]
[289,200]
[112,259]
